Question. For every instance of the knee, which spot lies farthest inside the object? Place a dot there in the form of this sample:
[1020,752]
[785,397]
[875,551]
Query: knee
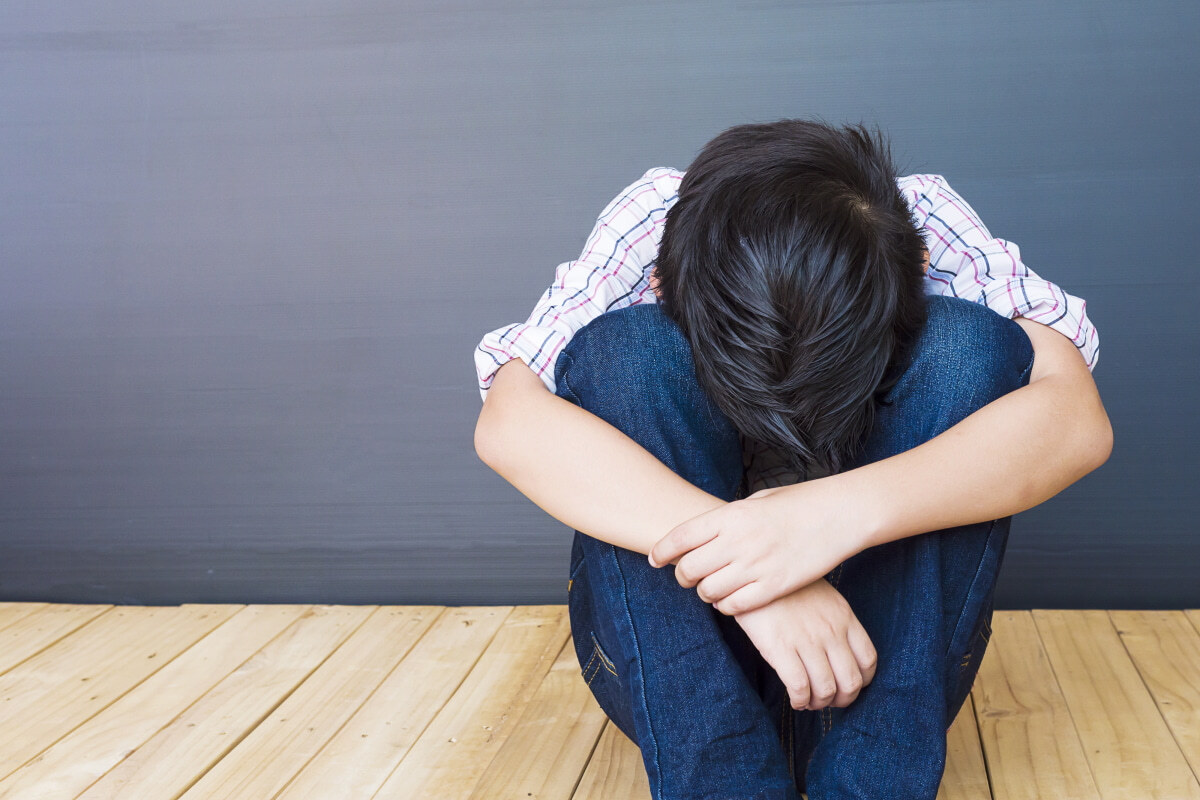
[636,350]
[969,355]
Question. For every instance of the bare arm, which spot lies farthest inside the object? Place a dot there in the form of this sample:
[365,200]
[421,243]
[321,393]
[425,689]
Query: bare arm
[1008,456]
[620,493]
[1012,454]
[623,495]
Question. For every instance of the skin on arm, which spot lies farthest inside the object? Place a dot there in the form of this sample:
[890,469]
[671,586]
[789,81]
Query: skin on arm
[532,438]
[1016,452]
[620,493]
[623,495]
[815,643]
[1008,456]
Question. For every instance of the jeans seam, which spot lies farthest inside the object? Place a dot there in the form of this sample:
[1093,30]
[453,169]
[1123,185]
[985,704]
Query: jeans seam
[599,651]
[1024,376]
[589,678]
[565,381]
[587,666]
[637,674]
[974,579]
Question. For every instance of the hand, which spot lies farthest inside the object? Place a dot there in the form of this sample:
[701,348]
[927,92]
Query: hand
[747,553]
[815,644]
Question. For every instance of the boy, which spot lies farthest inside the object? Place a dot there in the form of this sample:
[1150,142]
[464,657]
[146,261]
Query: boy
[820,390]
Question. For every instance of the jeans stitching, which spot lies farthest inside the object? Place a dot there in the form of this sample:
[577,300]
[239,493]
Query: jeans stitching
[596,670]
[589,663]
[565,380]
[1024,376]
[588,679]
[978,643]
[599,651]
[637,676]
[974,579]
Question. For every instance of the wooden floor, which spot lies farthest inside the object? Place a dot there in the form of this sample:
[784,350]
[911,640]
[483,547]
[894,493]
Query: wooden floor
[292,701]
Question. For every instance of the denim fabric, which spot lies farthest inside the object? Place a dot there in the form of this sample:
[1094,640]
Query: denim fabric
[684,682]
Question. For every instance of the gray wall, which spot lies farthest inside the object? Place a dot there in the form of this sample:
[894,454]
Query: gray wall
[247,249]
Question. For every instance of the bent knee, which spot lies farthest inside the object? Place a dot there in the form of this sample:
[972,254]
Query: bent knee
[631,348]
[972,352]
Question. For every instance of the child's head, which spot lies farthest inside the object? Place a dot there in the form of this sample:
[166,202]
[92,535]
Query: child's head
[794,267]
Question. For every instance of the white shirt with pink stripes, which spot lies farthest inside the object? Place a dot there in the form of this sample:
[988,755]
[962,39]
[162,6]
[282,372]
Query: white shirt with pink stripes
[614,271]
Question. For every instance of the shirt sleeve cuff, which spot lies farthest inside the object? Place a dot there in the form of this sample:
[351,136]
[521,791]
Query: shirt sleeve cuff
[1044,302]
[538,347]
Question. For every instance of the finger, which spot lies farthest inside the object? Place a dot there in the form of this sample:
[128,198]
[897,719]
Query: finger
[749,597]
[700,563]
[820,675]
[721,583]
[792,675]
[845,672]
[680,539]
[864,651]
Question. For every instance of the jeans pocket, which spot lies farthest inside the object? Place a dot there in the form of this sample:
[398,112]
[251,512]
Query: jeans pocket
[592,658]
[974,655]
[598,662]
[968,664]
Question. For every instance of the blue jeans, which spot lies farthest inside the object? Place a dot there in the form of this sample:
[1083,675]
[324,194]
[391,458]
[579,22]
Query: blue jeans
[684,682]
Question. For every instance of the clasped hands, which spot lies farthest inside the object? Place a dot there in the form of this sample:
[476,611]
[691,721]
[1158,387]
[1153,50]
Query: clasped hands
[762,560]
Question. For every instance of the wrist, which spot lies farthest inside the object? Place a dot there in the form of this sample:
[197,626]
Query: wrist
[863,504]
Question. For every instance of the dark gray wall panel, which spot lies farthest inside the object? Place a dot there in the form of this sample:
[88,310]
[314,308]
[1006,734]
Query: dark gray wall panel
[247,250]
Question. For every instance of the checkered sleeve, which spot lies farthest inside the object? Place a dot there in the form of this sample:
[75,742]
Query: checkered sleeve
[966,261]
[612,272]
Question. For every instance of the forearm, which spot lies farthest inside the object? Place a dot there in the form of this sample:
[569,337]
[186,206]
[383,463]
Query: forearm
[1008,456]
[578,468]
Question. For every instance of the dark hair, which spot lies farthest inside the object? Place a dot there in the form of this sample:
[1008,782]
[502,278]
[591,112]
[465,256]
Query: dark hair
[794,267]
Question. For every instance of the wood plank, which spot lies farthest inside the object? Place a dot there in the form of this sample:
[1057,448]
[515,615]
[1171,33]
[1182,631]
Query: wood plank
[450,756]
[615,771]
[10,612]
[965,777]
[179,754]
[1029,739]
[72,763]
[1165,648]
[279,747]
[1127,742]
[1129,698]
[356,762]
[50,694]
[29,628]
[550,746]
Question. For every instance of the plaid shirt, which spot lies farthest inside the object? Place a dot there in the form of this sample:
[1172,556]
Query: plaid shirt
[614,271]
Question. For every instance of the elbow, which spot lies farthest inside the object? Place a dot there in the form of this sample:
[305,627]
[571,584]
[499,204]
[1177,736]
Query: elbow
[486,445]
[1102,441]
[509,408]
[1096,443]
[498,422]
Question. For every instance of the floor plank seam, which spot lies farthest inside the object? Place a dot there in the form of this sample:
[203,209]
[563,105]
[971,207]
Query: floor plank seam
[1071,712]
[433,716]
